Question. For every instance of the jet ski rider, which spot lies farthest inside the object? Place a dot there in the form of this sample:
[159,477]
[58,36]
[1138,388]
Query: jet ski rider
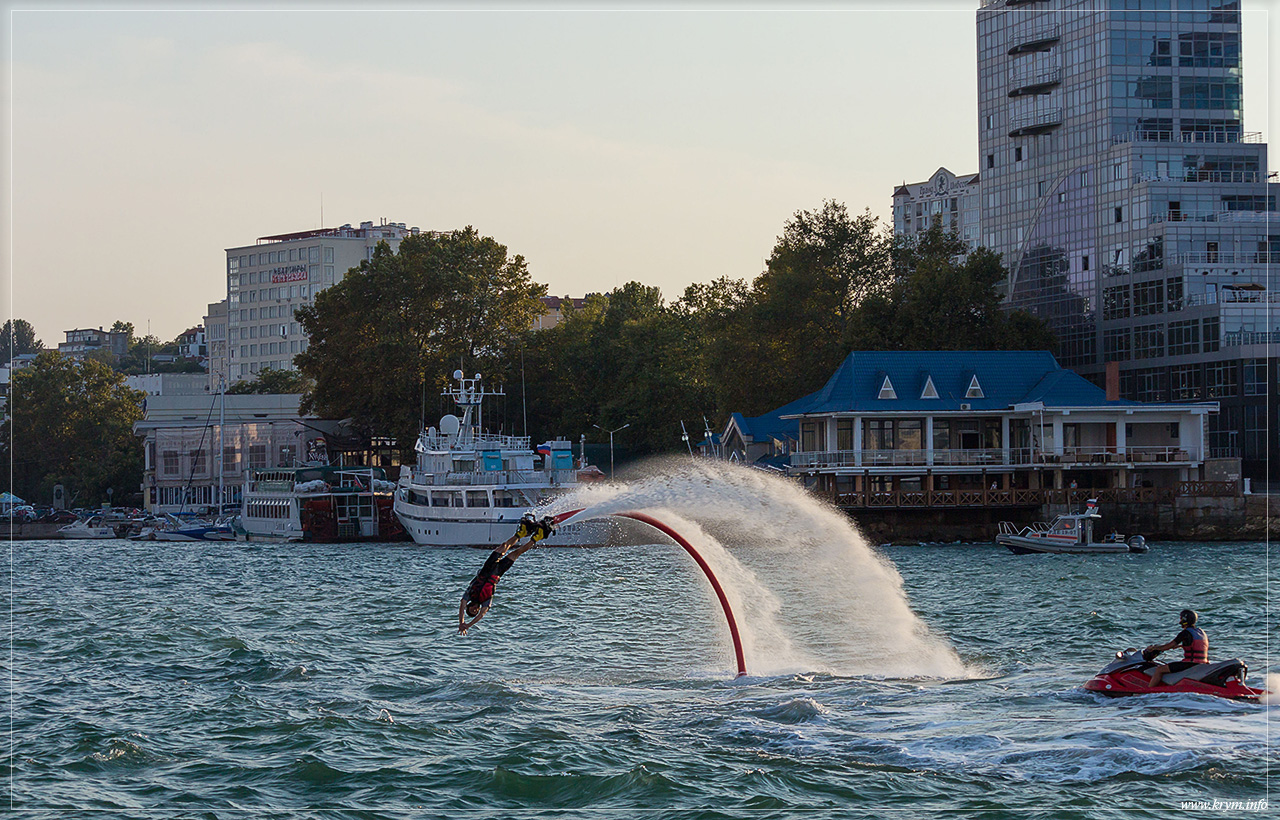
[1194,643]
[479,595]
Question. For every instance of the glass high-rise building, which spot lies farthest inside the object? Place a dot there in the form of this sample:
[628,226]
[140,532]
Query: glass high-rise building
[1132,210]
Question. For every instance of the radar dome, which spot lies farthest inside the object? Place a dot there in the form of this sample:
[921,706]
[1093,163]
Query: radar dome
[449,425]
[457,374]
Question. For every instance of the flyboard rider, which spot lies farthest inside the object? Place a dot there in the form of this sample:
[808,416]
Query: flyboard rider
[479,595]
[1194,643]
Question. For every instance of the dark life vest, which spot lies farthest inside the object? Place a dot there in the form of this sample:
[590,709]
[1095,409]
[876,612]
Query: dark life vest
[1198,650]
[481,589]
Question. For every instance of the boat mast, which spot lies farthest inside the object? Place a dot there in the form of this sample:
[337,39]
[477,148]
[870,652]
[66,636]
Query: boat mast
[222,453]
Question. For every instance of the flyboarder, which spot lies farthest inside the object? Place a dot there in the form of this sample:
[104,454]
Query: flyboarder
[479,595]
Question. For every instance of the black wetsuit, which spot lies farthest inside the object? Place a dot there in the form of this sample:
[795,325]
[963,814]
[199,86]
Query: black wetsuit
[482,586]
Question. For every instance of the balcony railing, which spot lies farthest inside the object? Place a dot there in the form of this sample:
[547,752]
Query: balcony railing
[918,499]
[1226,258]
[1035,123]
[1240,338]
[1038,82]
[1037,39]
[1187,136]
[488,477]
[1216,216]
[1203,176]
[1015,456]
[1232,297]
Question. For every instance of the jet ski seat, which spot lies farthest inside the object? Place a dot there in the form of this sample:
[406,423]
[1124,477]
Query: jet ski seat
[1214,674]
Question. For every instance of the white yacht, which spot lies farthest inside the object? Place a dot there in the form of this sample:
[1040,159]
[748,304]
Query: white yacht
[470,488]
[1071,533]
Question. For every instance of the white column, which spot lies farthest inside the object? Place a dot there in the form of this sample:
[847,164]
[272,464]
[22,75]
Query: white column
[832,442]
[1122,438]
[1004,439]
[928,440]
[1057,435]
[857,441]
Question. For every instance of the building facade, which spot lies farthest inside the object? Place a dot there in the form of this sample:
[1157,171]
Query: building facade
[184,468]
[215,325]
[1132,210]
[269,280]
[945,199]
[88,340]
[975,422]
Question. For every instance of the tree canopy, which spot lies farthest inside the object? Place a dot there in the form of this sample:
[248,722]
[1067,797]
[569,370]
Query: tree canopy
[388,335]
[17,336]
[272,381]
[71,423]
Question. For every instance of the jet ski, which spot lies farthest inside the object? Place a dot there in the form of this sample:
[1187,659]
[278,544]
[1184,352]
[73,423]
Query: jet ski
[1129,674]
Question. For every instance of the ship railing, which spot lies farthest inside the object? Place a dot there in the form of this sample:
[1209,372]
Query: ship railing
[488,478]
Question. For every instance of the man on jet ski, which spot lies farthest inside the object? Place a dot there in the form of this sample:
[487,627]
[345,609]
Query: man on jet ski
[1194,643]
[479,595]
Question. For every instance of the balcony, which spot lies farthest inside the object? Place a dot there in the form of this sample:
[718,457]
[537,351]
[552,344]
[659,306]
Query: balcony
[981,458]
[1204,176]
[919,499]
[1241,338]
[1039,39]
[1036,123]
[1226,258]
[1188,136]
[1216,216]
[1231,297]
[1025,84]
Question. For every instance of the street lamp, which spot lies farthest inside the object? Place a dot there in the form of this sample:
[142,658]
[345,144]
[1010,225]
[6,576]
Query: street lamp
[611,432]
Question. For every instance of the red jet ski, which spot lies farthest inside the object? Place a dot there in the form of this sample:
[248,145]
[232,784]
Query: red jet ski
[1129,674]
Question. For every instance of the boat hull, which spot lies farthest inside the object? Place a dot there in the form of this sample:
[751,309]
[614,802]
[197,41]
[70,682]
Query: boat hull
[1132,682]
[1023,545]
[433,527]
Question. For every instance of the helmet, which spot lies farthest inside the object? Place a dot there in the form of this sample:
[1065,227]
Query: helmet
[1188,617]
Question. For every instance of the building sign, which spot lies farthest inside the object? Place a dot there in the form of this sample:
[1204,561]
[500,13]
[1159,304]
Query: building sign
[293,273]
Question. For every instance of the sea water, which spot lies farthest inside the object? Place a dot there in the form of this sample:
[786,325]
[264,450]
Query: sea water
[307,680]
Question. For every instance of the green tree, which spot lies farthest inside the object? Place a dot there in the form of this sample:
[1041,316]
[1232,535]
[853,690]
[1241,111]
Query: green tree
[121,326]
[18,336]
[72,424]
[388,335]
[943,300]
[271,381]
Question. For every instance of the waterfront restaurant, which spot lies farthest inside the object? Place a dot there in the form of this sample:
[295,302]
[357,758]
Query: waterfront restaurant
[975,422]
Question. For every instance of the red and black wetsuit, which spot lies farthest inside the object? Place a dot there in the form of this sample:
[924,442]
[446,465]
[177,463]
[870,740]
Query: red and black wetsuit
[481,589]
[1195,648]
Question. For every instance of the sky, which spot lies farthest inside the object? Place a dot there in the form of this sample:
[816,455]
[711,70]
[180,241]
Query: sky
[605,144]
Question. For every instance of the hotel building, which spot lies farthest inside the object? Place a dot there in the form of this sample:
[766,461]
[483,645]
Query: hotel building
[270,279]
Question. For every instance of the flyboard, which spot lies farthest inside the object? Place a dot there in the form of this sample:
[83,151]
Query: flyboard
[706,570]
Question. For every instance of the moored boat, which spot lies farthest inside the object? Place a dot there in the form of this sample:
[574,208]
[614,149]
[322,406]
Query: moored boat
[93,527]
[1069,533]
[319,503]
[470,488]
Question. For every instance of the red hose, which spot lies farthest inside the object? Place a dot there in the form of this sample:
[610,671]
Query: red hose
[706,570]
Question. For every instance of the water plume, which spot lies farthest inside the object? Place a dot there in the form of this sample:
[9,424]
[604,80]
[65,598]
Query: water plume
[810,593]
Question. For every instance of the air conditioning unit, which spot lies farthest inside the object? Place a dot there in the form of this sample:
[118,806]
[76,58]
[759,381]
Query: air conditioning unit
[966,406]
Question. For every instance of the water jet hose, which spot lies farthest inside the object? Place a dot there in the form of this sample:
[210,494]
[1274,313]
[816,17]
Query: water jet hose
[706,570]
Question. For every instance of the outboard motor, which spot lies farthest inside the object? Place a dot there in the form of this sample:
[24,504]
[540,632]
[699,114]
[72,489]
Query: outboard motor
[1137,543]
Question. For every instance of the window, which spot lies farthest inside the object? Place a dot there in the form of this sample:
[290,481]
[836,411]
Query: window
[1017,154]
[1119,214]
[1149,384]
[1115,302]
[975,389]
[288,452]
[886,390]
[809,436]
[229,460]
[877,434]
[1084,262]
[1115,345]
[1173,292]
[328,254]
[1184,338]
[844,434]
[169,458]
[257,456]
[197,459]
[1185,382]
[941,434]
[1148,342]
[1209,333]
[1220,380]
[991,160]
[929,391]
[1148,298]
[1255,377]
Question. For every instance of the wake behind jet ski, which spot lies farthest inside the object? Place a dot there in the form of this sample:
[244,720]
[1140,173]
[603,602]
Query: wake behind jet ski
[1130,674]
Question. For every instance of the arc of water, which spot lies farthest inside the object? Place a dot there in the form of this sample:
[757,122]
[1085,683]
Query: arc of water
[644,518]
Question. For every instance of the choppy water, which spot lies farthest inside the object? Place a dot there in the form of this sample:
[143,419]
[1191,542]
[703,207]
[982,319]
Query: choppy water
[231,680]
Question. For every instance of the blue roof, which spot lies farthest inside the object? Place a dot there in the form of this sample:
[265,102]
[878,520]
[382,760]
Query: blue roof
[771,424]
[1003,377]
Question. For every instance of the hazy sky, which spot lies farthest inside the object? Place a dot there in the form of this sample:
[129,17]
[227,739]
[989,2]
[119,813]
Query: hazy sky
[608,144]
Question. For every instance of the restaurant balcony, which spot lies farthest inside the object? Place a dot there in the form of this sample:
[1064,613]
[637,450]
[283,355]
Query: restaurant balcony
[901,461]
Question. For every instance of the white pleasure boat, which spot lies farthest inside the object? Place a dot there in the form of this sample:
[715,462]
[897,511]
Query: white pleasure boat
[1071,533]
[470,488]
